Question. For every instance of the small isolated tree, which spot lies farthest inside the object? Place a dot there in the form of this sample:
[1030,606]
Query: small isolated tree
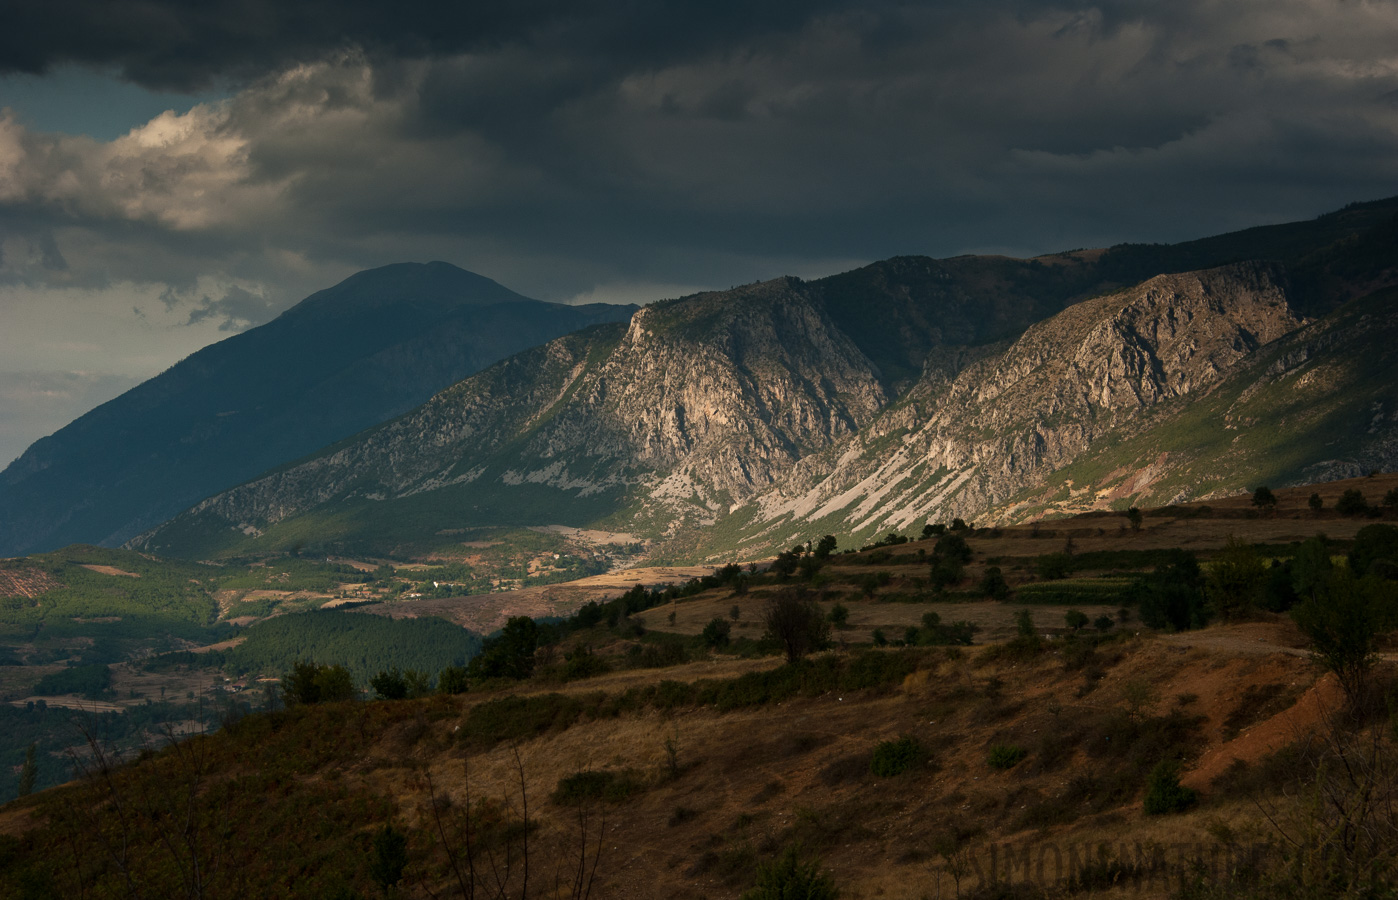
[826,546]
[1135,517]
[1075,619]
[994,585]
[788,878]
[1264,499]
[1390,499]
[1344,617]
[795,622]
[734,612]
[839,615]
[716,633]
[880,639]
[1315,503]
[953,546]
[390,858]
[1351,503]
[1164,793]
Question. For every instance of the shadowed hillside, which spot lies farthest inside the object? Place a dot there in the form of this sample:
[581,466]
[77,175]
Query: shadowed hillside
[343,359]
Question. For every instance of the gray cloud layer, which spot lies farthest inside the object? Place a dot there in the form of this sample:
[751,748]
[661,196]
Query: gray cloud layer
[571,149]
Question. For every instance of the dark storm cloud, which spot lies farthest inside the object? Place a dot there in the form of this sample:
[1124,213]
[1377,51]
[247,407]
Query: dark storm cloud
[189,43]
[630,151]
[556,146]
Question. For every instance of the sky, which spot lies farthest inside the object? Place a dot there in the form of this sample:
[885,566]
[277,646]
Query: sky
[175,171]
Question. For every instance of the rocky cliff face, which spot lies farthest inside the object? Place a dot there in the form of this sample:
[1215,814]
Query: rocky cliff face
[716,395]
[1011,419]
[694,405]
[733,423]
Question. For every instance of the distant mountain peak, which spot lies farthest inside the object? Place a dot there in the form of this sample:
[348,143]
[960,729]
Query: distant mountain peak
[423,285]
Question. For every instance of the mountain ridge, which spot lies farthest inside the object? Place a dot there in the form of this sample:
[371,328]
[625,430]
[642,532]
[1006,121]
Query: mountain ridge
[345,358]
[708,413]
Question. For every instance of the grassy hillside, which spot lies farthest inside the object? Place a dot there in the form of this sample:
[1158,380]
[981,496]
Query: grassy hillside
[657,759]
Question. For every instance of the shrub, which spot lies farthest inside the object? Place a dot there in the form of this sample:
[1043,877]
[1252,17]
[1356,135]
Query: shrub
[1103,623]
[390,857]
[1005,756]
[945,572]
[896,757]
[1343,619]
[1172,597]
[1237,580]
[1053,566]
[308,683]
[716,633]
[839,615]
[953,546]
[1351,503]
[511,653]
[788,878]
[453,680]
[1279,594]
[1164,793]
[591,786]
[993,584]
[389,685]
[1075,619]
[1373,544]
[581,662]
[880,639]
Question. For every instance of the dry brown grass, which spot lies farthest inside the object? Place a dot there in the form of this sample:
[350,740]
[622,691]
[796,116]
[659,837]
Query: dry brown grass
[756,779]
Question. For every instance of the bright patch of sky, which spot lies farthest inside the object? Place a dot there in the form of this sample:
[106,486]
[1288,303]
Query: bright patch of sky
[77,100]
